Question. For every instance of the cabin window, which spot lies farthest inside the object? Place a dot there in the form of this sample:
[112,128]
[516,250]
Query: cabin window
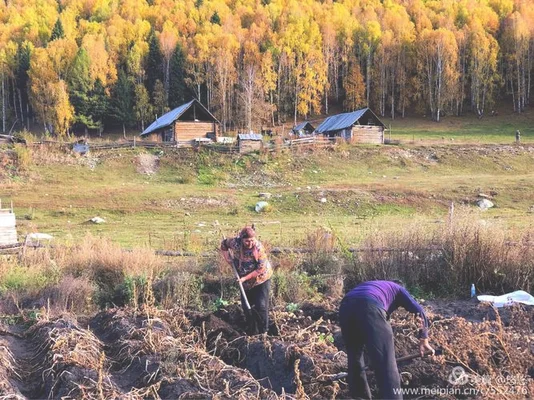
[168,135]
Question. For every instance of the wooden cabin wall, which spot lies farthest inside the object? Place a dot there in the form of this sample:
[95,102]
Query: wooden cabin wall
[368,134]
[189,130]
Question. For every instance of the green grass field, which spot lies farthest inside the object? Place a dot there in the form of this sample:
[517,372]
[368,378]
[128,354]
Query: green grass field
[500,129]
[191,199]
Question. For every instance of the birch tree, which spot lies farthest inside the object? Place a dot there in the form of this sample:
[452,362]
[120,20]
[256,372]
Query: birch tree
[437,58]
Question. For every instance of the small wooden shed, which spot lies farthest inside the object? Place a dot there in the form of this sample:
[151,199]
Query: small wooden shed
[303,129]
[361,126]
[8,230]
[187,122]
[249,142]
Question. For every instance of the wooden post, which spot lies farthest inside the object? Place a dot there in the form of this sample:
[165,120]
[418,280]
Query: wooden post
[451,214]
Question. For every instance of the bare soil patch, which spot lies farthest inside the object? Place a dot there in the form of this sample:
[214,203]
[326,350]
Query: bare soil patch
[147,164]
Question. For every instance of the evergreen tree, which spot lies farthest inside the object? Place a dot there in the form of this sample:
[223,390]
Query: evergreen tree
[154,64]
[57,31]
[79,88]
[122,101]
[160,99]
[177,87]
[215,19]
[99,103]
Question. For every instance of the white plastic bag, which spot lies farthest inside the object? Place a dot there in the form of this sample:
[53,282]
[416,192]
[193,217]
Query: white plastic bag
[519,296]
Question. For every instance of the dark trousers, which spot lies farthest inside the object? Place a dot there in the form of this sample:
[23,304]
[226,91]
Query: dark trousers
[257,317]
[364,323]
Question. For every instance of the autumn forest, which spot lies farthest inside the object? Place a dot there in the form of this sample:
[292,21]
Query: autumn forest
[90,64]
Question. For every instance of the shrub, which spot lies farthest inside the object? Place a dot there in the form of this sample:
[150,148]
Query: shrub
[70,294]
[179,289]
[292,287]
[23,157]
[320,258]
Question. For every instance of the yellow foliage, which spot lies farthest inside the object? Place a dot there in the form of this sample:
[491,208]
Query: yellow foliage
[99,66]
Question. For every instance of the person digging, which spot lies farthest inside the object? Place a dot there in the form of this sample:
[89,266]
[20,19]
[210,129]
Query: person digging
[249,260]
[363,318]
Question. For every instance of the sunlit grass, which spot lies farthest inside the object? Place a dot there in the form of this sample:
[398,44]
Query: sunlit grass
[194,198]
[500,129]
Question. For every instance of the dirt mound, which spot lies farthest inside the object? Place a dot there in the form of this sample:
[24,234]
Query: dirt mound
[147,164]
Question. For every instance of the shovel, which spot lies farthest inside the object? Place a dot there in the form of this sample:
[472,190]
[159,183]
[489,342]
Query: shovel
[241,288]
[341,375]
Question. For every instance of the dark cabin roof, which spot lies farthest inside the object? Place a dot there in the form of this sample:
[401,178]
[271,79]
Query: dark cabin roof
[346,120]
[168,119]
[303,125]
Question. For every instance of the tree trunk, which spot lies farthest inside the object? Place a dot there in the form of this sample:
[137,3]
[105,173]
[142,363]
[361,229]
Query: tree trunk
[21,108]
[3,105]
[15,100]
[368,78]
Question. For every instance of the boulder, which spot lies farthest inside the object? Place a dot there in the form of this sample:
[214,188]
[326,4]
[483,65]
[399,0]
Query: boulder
[261,206]
[484,204]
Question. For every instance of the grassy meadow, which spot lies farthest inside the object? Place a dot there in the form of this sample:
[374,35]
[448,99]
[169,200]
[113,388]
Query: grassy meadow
[326,200]
[499,129]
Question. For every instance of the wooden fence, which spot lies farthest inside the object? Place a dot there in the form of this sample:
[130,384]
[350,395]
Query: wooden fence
[306,142]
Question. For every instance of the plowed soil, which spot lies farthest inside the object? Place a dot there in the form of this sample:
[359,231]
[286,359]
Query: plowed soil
[176,354]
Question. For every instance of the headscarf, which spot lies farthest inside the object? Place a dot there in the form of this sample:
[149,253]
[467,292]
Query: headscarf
[247,232]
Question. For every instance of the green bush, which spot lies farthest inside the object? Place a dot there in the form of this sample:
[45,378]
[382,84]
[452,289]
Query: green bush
[292,287]
[19,278]
[179,289]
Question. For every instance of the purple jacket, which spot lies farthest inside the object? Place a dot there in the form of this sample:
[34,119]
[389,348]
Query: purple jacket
[390,296]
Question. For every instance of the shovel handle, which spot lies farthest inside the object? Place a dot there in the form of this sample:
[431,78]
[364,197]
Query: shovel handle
[241,288]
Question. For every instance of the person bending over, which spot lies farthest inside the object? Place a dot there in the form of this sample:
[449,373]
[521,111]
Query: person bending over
[363,316]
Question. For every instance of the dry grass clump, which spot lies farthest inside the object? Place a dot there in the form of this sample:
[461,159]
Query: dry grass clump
[312,274]
[70,361]
[51,154]
[122,277]
[103,259]
[445,260]
[94,272]
[70,294]
[320,258]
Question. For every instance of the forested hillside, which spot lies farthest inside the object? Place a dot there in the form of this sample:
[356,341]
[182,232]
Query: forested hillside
[87,64]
